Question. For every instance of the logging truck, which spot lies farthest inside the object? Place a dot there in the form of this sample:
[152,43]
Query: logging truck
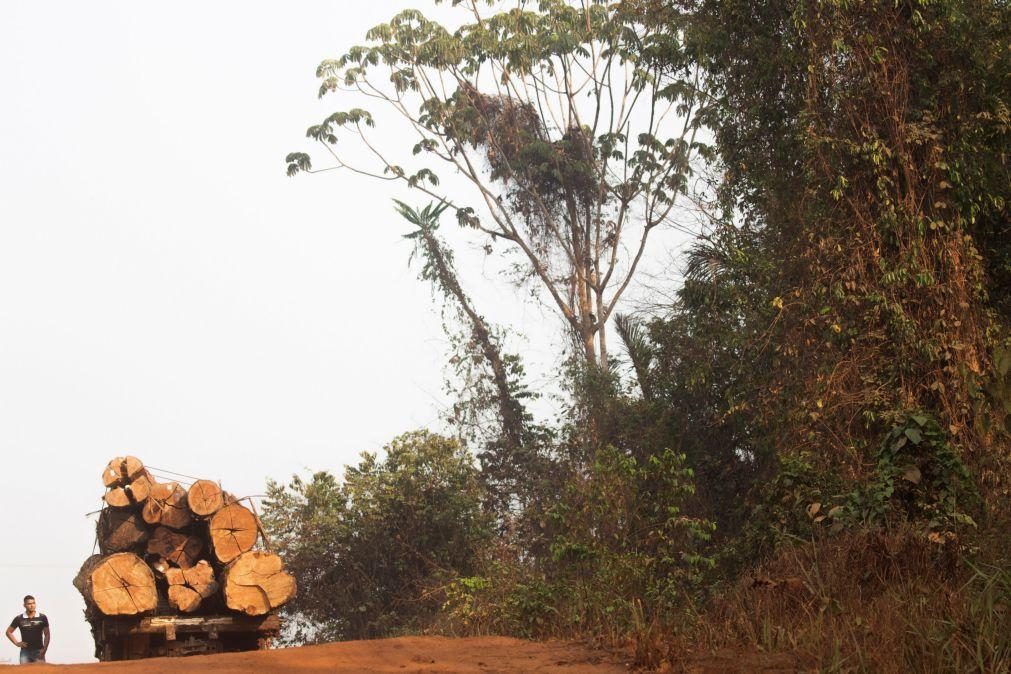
[124,638]
[180,570]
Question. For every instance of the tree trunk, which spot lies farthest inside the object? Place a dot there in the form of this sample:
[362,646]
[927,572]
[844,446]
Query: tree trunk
[132,491]
[189,587]
[205,498]
[167,506]
[256,583]
[120,530]
[122,471]
[233,532]
[183,598]
[120,584]
[510,409]
[82,581]
[175,547]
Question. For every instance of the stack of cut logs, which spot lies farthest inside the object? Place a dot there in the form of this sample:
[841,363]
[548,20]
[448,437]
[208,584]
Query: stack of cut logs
[165,548]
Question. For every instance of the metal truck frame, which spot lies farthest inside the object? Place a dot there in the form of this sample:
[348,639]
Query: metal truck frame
[134,638]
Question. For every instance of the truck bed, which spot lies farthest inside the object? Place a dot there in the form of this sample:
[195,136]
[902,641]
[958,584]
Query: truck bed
[131,638]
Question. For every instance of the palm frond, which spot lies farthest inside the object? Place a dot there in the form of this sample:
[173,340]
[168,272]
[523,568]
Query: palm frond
[638,347]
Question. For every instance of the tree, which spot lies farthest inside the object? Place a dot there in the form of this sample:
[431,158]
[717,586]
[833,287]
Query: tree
[861,269]
[371,552]
[575,146]
[492,379]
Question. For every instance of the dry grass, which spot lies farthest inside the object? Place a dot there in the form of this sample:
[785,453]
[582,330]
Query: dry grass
[868,601]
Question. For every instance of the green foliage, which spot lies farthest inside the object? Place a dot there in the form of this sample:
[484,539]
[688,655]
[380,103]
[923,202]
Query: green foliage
[853,264]
[620,546]
[372,552]
[990,393]
[574,144]
[847,275]
[488,382]
[794,505]
[919,477]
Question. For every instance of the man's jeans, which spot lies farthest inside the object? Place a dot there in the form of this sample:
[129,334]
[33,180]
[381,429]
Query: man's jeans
[31,655]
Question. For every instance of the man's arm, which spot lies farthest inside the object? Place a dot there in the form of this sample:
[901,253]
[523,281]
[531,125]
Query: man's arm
[45,640]
[10,635]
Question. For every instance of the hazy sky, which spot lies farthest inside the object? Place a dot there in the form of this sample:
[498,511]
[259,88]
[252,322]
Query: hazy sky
[165,289]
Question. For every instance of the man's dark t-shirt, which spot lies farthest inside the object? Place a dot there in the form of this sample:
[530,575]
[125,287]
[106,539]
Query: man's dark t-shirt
[31,629]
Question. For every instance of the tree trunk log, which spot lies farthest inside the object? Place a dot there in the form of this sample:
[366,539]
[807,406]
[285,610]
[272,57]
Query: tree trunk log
[120,584]
[189,587]
[175,547]
[167,506]
[184,598]
[122,471]
[131,493]
[256,583]
[82,581]
[233,532]
[120,531]
[205,498]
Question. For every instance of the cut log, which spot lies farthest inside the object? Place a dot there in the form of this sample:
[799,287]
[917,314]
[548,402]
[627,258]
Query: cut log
[189,587]
[200,577]
[120,584]
[122,470]
[167,506]
[183,598]
[175,547]
[233,531]
[120,531]
[256,583]
[205,498]
[132,493]
[82,581]
[111,476]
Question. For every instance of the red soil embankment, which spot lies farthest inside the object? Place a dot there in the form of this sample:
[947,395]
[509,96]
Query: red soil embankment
[416,655]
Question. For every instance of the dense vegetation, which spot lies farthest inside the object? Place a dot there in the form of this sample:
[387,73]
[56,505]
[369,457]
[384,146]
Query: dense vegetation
[806,448]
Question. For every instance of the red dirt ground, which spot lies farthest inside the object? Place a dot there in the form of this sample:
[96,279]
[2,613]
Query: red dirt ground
[413,655]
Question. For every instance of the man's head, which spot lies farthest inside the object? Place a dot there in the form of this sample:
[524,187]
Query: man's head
[29,603]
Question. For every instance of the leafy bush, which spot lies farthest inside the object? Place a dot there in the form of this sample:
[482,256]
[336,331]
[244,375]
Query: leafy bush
[372,552]
[621,550]
[919,477]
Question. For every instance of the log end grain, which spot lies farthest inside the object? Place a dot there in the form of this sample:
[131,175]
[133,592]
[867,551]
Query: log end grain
[205,498]
[183,598]
[166,505]
[233,531]
[256,583]
[175,547]
[122,584]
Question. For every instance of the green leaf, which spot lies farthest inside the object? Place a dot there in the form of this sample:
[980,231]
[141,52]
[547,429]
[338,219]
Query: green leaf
[914,435]
[1003,361]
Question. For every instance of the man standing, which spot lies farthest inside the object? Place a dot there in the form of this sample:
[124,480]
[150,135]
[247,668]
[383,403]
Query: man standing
[34,633]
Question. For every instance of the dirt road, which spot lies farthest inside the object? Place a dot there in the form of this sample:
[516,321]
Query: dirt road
[413,655]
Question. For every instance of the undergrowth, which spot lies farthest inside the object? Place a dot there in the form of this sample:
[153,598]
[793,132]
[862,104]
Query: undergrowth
[869,600]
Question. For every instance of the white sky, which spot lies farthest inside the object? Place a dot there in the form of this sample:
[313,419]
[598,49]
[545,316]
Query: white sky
[165,289]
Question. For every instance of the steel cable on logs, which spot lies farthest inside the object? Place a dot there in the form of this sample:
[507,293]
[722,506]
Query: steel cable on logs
[173,476]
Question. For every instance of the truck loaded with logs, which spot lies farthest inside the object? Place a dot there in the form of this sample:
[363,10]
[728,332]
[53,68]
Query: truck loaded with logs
[180,570]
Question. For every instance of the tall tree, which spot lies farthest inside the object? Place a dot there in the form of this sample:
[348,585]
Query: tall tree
[574,145]
[866,183]
[492,378]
